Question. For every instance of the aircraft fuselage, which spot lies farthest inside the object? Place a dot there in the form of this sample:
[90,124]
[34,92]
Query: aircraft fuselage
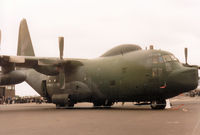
[145,75]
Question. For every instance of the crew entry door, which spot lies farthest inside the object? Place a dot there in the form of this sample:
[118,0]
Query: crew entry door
[155,72]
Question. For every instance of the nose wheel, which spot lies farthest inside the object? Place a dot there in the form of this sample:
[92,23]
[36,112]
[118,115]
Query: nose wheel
[158,104]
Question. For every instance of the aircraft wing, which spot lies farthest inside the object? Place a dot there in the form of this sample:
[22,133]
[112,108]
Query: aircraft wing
[47,66]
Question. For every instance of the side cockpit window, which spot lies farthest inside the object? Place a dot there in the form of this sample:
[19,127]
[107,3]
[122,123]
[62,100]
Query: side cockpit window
[160,59]
[154,59]
[174,58]
[157,58]
[167,58]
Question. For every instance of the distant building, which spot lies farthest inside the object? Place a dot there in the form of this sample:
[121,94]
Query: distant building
[7,91]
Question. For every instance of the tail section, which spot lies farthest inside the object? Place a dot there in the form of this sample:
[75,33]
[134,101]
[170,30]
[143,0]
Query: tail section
[25,47]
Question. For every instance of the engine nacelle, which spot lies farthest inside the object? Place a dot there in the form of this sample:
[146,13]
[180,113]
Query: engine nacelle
[77,91]
[47,70]
[13,77]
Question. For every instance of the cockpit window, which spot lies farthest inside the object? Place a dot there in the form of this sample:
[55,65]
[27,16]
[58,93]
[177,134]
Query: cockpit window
[160,59]
[174,58]
[168,58]
[156,58]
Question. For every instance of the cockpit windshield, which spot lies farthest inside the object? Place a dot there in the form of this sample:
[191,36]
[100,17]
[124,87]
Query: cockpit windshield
[168,58]
[158,58]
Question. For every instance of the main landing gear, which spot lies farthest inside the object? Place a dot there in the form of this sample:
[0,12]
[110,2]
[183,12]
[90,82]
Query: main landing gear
[65,105]
[106,103]
[158,104]
[68,105]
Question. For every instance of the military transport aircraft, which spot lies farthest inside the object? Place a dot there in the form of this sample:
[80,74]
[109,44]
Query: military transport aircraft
[125,73]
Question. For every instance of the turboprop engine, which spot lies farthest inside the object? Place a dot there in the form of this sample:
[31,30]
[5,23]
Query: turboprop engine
[13,77]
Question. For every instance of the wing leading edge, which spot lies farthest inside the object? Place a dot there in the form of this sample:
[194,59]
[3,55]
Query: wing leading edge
[47,66]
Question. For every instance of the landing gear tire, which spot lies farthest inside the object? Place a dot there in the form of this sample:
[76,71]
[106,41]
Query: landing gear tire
[108,104]
[97,104]
[158,105]
[64,106]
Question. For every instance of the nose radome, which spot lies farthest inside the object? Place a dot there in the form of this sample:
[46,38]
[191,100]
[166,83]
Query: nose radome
[185,79]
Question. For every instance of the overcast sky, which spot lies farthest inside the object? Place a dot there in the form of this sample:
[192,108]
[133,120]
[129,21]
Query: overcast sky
[91,27]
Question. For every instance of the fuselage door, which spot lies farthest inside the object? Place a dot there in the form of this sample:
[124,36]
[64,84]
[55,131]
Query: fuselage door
[155,72]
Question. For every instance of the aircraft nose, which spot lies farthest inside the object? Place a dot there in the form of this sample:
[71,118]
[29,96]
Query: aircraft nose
[185,79]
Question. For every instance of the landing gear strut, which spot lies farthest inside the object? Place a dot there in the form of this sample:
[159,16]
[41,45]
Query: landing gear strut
[158,104]
[108,103]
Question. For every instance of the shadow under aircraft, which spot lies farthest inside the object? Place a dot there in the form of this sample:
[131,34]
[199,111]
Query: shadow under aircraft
[126,73]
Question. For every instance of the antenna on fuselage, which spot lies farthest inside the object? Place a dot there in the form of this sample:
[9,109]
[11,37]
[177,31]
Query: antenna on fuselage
[151,47]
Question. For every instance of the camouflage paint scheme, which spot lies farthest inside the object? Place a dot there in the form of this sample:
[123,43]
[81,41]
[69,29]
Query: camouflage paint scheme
[126,73]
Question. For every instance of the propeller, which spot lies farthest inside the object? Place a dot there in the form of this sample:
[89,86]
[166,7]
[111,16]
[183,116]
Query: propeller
[186,59]
[61,67]
[61,46]
[186,56]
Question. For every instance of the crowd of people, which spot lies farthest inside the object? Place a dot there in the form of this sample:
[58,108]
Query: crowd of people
[193,93]
[20,100]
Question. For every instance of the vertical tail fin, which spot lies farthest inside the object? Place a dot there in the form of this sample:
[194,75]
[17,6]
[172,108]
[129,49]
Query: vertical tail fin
[25,47]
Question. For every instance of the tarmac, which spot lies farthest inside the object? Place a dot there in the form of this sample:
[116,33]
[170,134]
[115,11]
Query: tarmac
[37,119]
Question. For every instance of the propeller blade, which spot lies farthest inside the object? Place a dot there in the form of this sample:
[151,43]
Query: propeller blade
[186,56]
[61,46]
[61,68]
[62,78]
